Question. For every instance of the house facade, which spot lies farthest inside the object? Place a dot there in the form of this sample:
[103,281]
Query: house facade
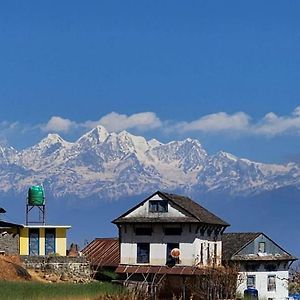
[168,237]
[32,240]
[263,264]
[43,240]
[173,236]
[163,222]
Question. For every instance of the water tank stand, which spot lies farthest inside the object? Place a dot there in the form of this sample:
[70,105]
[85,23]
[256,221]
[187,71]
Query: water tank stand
[42,214]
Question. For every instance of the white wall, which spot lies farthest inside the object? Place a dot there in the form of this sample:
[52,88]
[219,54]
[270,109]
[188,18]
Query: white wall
[189,244]
[261,284]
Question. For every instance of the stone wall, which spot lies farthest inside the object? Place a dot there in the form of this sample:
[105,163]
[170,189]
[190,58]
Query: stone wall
[72,268]
[9,243]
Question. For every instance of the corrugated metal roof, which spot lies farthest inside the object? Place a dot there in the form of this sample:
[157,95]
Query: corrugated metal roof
[103,252]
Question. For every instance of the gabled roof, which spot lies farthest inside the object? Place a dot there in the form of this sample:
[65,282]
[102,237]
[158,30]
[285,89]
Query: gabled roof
[232,243]
[103,252]
[4,224]
[195,212]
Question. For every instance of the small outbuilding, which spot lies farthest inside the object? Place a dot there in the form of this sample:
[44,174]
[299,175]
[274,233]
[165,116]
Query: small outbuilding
[43,240]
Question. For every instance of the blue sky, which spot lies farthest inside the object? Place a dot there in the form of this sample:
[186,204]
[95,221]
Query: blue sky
[226,72]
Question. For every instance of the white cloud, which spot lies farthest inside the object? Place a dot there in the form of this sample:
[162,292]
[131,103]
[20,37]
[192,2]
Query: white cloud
[58,124]
[117,122]
[239,122]
[272,124]
[221,122]
[217,122]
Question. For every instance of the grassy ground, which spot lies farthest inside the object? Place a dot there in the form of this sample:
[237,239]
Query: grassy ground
[35,290]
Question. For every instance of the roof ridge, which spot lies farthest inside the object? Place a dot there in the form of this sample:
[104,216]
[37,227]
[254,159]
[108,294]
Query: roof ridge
[175,198]
[192,208]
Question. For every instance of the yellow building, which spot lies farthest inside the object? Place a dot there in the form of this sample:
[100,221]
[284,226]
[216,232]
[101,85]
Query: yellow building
[43,240]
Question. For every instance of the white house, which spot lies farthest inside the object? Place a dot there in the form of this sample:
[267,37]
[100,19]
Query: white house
[263,264]
[149,231]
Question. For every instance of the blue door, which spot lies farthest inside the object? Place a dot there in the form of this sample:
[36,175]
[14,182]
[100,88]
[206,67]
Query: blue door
[49,241]
[34,241]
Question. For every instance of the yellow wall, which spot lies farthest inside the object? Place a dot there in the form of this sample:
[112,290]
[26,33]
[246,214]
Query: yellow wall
[60,241]
[42,241]
[24,241]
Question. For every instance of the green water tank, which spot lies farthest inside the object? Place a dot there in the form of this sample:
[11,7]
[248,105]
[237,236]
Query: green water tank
[36,195]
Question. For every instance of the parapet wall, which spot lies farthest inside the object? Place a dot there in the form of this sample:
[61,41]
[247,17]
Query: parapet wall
[77,268]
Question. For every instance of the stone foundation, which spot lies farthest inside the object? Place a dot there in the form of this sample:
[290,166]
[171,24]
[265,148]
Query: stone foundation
[76,269]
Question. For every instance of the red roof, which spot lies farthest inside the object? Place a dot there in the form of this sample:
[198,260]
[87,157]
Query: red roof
[103,252]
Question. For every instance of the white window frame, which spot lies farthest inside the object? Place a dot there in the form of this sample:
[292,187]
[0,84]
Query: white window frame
[254,281]
[271,287]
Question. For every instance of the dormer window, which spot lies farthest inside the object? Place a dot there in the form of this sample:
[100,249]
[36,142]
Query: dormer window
[158,206]
[262,247]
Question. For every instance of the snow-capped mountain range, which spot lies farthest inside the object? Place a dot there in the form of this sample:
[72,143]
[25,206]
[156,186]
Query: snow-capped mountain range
[112,165]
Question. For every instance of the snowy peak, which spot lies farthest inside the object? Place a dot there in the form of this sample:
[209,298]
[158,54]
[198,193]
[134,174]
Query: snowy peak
[226,156]
[7,155]
[47,146]
[154,143]
[103,164]
[53,139]
[137,144]
[96,136]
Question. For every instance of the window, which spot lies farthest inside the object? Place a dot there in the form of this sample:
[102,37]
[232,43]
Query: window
[271,283]
[270,267]
[201,253]
[215,252]
[251,281]
[173,231]
[158,206]
[143,231]
[143,253]
[252,267]
[262,247]
[34,241]
[208,254]
[49,241]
